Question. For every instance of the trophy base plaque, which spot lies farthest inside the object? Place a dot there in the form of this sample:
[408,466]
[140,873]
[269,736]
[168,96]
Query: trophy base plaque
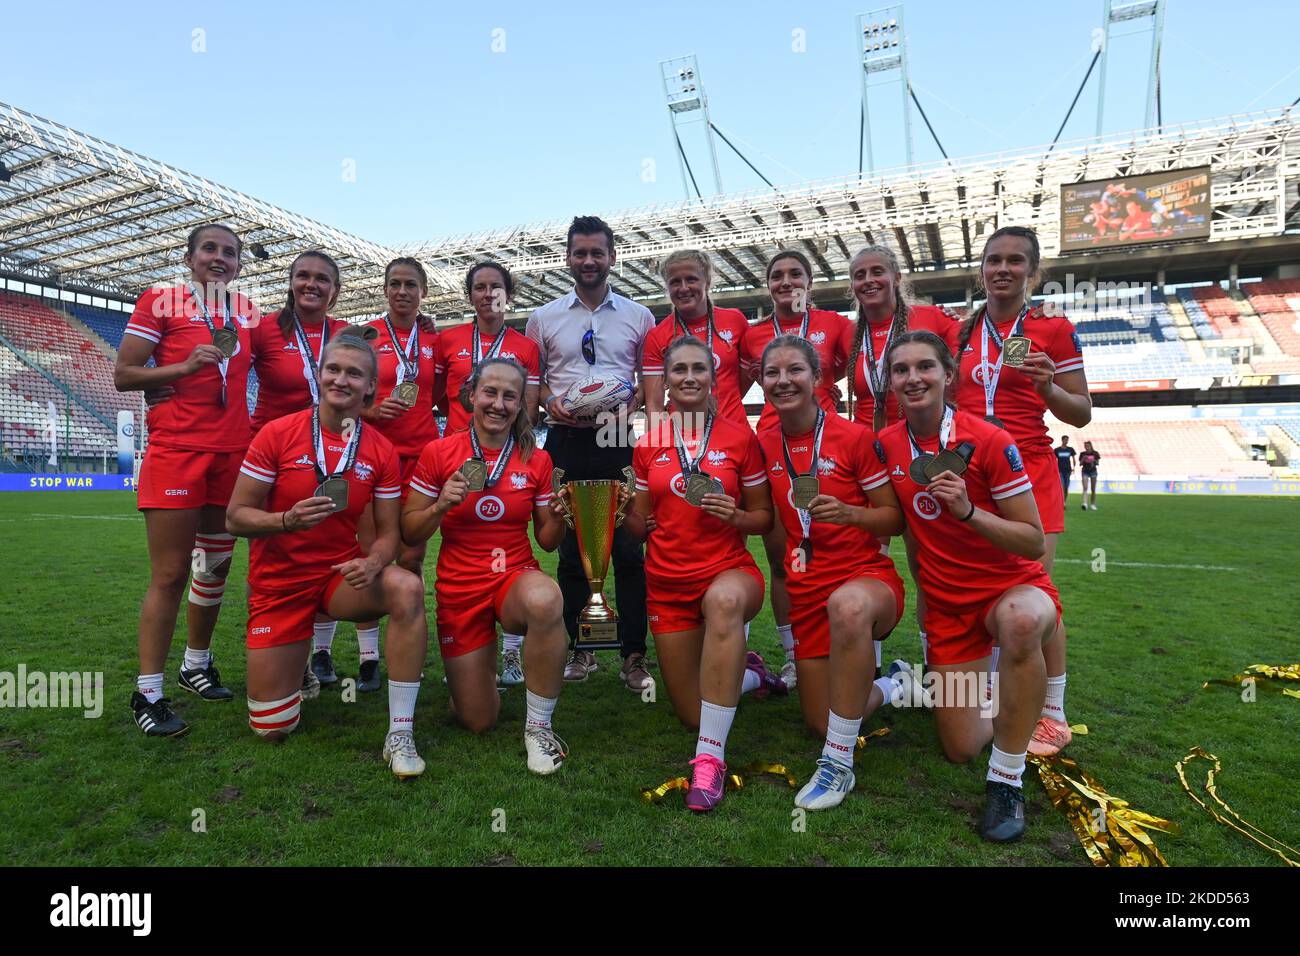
[597,636]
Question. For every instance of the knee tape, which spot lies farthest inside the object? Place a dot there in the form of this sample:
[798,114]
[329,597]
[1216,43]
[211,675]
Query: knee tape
[276,716]
[211,554]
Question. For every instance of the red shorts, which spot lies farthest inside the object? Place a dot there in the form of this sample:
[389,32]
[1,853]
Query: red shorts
[468,620]
[673,609]
[1048,495]
[176,478]
[810,623]
[958,635]
[285,617]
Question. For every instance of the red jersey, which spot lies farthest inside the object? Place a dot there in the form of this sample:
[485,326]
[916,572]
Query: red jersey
[1016,404]
[454,362]
[827,331]
[729,328]
[281,378]
[688,544]
[415,427]
[282,456]
[489,529]
[846,470]
[959,567]
[920,318]
[195,418]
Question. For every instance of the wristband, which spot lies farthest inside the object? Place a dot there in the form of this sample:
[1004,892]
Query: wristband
[970,514]
[284,520]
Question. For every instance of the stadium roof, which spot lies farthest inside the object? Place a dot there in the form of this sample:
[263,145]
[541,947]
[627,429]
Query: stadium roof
[83,212]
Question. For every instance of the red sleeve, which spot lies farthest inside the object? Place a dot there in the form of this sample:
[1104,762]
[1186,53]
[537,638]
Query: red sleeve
[439,360]
[262,460]
[532,362]
[870,470]
[641,466]
[388,476]
[1003,467]
[653,361]
[843,344]
[147,318]
[427,477]
[1065,349]
[748,360]
[542,470]
[753,471]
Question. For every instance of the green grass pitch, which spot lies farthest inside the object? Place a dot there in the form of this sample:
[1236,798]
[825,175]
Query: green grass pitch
[1144,634]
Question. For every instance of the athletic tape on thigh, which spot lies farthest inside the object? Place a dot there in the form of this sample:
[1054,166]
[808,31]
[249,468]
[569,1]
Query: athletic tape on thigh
[212,552]
[277,716]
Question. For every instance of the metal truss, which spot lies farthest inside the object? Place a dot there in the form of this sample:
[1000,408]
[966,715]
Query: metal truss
[84,213]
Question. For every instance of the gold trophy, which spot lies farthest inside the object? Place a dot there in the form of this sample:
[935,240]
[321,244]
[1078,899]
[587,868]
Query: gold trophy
[594,511]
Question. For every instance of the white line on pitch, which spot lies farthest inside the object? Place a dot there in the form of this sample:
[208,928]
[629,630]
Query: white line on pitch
[1143,564]
[33,516]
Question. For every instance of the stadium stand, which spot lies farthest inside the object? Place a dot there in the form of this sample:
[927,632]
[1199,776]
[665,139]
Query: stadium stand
[107,324]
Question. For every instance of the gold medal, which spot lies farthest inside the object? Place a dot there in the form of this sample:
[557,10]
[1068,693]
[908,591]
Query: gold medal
[1014,350]
[336,489]
[475,473]
[227,340]
[803,489]
[700,484]
[918,468]
[407,393]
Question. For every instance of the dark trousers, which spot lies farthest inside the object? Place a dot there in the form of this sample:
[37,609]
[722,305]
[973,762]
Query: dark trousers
[577,452]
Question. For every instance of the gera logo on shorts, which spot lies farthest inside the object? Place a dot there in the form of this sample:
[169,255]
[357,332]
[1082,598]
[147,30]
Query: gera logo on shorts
[172,492]
[261,630]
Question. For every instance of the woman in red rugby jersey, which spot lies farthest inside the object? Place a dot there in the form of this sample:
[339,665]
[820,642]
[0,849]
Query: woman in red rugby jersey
[303,486]
[480,488]
[967,499]
[688,275]
[834,501]
[197,334]
[701,488]
[1017,397]
[884,312]
[409,386]
[789,282]
[489,287]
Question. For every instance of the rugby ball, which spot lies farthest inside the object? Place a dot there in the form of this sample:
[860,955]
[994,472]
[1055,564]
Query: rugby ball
[590,397]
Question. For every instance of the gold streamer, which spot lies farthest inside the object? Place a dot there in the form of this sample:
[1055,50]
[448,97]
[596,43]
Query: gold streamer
[862,741]
[735,781]
[1124,840]
[1273,844]
[1263,676]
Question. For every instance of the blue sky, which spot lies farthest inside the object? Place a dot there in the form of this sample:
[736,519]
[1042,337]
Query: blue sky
[449,135]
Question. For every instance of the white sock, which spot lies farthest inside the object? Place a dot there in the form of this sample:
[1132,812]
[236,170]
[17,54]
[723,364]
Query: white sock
[150,685]
[1054,703]
[1005,767]
[751,681]
[994,656]
[925,648]
[540,709]
[368,643]
[512,642]
[746,632]
[841,738]
[196,660]
[787,640]
[715,724]
[888,688]
[401,704]
[322,635]
[878,652]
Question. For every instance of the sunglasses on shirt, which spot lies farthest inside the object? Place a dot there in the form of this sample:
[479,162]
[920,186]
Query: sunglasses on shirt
[589,347]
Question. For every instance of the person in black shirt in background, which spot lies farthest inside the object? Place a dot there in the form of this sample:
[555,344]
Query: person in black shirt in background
[1065,465]
[1088,460]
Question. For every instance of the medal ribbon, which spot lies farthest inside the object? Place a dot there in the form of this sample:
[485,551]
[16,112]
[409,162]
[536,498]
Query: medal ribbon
[803,326]
[503,459]
[408,357]
[874,368]
[308,356]
[945,427]
[318,446]
[476,354]
[992,373]
[805,518]
[691,465]
[224,365]
[685,329]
